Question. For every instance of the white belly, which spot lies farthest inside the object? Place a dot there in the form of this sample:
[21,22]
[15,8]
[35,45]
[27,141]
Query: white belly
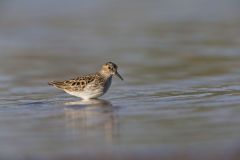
[92,92]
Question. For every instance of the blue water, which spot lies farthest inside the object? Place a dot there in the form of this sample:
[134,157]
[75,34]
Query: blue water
[179,59]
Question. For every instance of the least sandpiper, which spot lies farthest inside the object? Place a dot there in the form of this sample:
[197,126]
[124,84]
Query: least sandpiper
[91,85]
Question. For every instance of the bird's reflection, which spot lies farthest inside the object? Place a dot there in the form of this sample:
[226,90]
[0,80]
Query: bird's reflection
[92,117]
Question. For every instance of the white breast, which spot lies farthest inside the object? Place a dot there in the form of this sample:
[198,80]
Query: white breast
[92,92]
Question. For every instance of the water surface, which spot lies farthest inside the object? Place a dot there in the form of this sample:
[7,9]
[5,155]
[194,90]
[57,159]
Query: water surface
[180,97]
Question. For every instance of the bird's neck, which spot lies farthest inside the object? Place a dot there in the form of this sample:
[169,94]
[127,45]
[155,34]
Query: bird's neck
[105,74]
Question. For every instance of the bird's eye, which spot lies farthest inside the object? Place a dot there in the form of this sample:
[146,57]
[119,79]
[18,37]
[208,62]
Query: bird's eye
[109,67]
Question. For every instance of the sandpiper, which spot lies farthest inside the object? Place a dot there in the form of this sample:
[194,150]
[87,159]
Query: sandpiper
[91,85]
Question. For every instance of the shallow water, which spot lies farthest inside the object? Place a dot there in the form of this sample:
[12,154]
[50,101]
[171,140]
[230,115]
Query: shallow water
[180,97]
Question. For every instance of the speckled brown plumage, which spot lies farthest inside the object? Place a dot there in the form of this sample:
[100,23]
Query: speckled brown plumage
[79,83]
[91,85]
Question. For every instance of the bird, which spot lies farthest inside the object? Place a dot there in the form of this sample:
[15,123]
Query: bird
[90,86]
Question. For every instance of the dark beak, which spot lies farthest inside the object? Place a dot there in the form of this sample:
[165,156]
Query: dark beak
[119,76]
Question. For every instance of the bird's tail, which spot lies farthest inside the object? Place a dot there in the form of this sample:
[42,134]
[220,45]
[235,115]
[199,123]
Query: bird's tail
[57,84]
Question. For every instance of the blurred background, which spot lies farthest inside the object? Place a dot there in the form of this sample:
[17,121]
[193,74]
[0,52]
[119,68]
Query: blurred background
[179,58]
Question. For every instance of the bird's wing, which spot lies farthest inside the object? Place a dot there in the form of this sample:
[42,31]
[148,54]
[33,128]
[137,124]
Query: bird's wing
[74,84]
